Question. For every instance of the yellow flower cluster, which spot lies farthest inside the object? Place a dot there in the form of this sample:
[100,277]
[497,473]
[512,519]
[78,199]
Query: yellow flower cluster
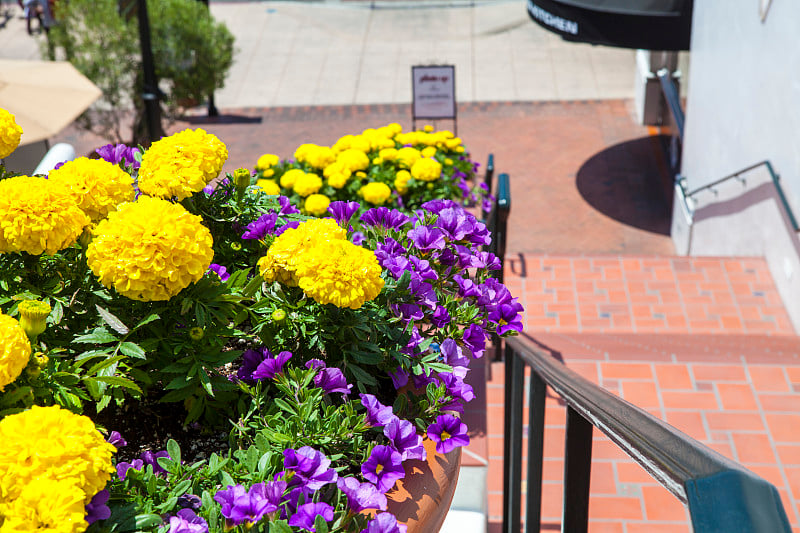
[150,250]
[15,350]
[182,164]
[46,505]
[317,257]
[307,183]
[10,133]
[265,164]
[52,463]
[314,155]
[38,216]
[269,186]
[290,177]
[97,186]
[426,169]
[316,204]
[375,192]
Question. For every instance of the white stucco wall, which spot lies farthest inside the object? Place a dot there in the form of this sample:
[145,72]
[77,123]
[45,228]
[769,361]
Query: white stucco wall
[743,106]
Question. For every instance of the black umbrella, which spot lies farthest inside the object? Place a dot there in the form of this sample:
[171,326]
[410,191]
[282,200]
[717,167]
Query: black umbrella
[645,24]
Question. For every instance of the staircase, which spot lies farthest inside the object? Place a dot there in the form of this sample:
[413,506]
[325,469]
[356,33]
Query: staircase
[703,343]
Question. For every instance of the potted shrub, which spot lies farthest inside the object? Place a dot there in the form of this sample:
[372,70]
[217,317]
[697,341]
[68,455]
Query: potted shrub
[301,363]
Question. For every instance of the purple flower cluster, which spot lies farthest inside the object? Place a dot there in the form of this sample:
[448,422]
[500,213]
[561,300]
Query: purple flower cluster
[220,271]
[242,506]
[329,379]
[186,521]
[267,224]
[145,458]
[119,153]
[261,364]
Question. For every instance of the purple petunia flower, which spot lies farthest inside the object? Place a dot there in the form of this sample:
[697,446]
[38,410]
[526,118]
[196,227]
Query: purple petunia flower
[310,467]
[448,432]
[399,378]
[307,513]
[289,225]
[119,153]
[271,367]
[475,339]
[332,380]
[384,217]
[343,211]
[123,467]
[361,496]
[190,501]
[151,459]
[358,238]
[453,354]
[287,208]
[97,509]
[456,223]
[441,317]
[466,287]
[242,506]
[507,317]
[377,413]
[261,227]
[457,389]
[186,521]
[383,467]
[116,440]
[251,358]
[426,238]
[436,206]
[403,437]
[422,268]
[423,293]
[220,271]
[385,523]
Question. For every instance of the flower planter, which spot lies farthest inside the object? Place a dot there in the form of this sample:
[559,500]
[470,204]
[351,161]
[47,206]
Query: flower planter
[422,498]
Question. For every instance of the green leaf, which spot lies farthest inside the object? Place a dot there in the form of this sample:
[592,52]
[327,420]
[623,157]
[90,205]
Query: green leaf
[320,524]
[206,381]
[147,320]
[10,398]
[98,336]
[104,364]
[284,405]
[361,375]
[119,381]
[174,451]
[177,395]
[144,521]
[132,350]
[181,487]
[115,323]
[279,526]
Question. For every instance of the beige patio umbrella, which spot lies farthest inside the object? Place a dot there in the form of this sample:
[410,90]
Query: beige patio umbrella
[44,96]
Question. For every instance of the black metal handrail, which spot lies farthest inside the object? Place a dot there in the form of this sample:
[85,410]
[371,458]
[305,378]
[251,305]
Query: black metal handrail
[489,175]
[498,221]
[673,99]
[722,496]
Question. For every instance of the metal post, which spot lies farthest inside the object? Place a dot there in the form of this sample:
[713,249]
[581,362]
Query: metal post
[212,107]
[150,92]
[533,500]
[577,473]
[512,443]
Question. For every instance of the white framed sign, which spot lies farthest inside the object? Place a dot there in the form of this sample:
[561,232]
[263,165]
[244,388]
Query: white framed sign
[434,91]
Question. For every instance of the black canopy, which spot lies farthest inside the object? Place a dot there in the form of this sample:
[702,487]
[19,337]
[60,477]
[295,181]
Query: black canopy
[645,24]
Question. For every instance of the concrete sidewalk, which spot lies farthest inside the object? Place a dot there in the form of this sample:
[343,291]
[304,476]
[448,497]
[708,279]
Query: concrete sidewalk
[349,53]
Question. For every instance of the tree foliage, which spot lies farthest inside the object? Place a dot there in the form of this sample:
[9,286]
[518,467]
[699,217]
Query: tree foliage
[192,52]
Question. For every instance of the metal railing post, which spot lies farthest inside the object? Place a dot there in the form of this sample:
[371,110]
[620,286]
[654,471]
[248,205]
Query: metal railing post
[512,443]
[533,501]
[577,473]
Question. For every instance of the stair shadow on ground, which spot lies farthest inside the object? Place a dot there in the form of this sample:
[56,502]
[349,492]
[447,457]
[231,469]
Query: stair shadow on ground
[628,183]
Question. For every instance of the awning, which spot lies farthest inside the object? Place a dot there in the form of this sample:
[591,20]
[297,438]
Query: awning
[645,24]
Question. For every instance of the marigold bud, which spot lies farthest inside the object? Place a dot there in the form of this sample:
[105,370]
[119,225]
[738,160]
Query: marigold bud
[33,317]
[241,178]
[279,315]
[197,333]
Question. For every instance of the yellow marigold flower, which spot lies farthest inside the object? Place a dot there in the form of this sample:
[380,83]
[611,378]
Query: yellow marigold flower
[377,160]
[338,180]
[290,177]
[427,128]
[286,251]
[448,161]
[340,273]
[54,444]
[314,155]
[38,216]
[10,133]
[317,204]
[459,149]
[33,317]
[388,154]
[307,184]
[375,192]
[454,144]
[266,161]
[353,160]
[355,142]
[182,164]
[407,156]
[428,151]
[150,249]
[393,128]
[15,350]
[97,185]
[426,169]
[269,186]
[401,180]
[46,505]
